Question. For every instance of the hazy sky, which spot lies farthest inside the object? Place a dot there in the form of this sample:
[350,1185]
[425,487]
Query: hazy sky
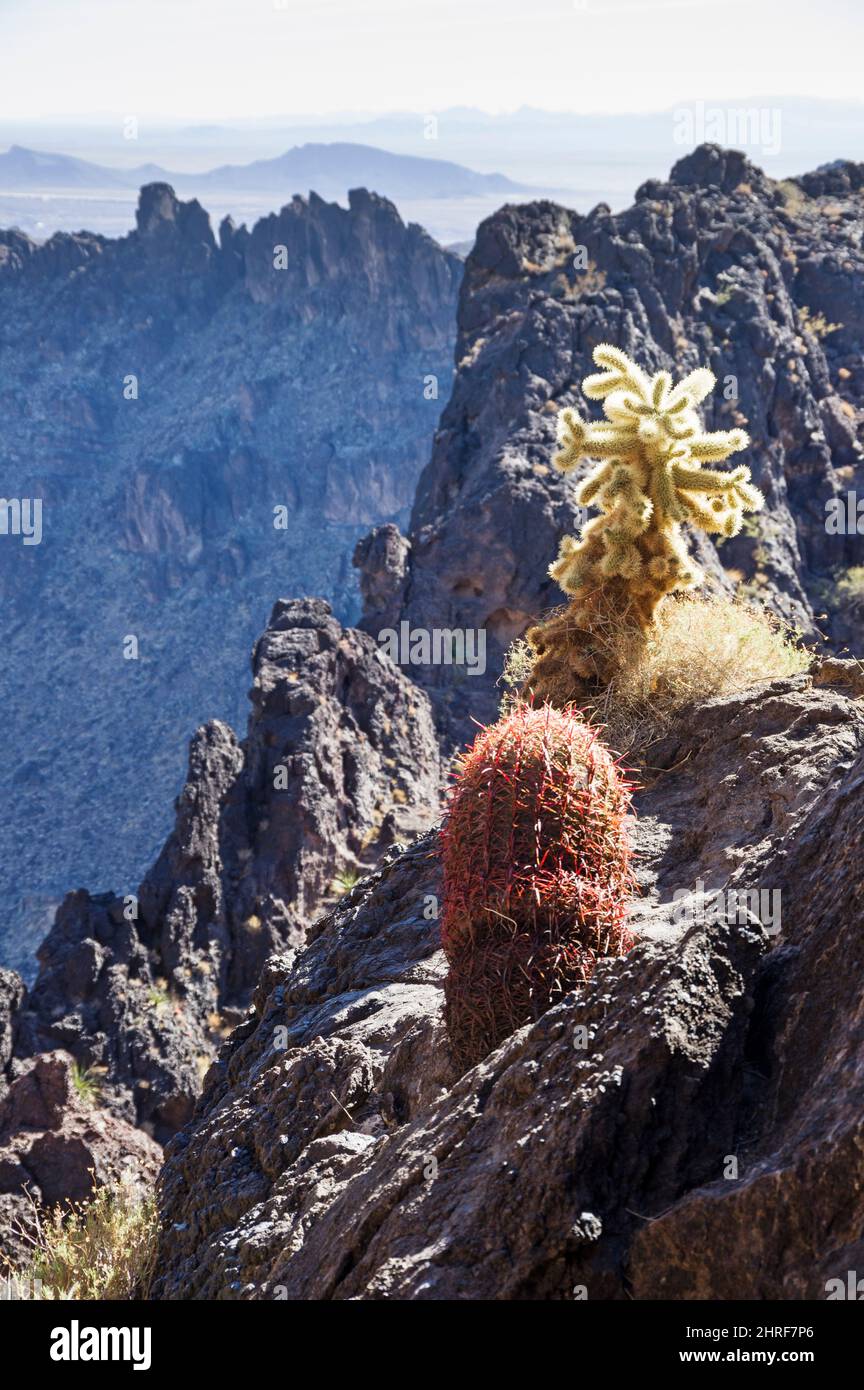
[200,59]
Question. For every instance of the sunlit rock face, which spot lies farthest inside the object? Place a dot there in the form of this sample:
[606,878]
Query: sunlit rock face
[719,266]
[686,1125]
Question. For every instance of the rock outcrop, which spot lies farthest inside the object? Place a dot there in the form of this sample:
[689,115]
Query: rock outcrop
[12,994]
[57,1146]
[207,423]
[688,1124]
[719,266]
[339,761]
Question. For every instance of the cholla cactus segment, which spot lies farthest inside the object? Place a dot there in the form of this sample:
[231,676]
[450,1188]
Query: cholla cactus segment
[650,477]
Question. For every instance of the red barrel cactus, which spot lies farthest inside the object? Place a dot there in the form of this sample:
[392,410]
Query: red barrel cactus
[537,872]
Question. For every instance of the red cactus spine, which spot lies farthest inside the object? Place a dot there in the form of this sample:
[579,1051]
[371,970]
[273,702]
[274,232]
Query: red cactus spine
[536,873]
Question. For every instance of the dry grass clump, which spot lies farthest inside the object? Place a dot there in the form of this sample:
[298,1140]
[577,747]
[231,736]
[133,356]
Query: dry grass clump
[699,647]
[104,1248]
[850,586]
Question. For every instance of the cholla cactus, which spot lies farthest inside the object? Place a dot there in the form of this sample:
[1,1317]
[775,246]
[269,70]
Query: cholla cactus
[651,477]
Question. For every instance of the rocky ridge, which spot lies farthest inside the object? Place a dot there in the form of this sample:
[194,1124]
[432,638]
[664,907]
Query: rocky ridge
[162,394]
[139,991]
[688,1124]
[718,266]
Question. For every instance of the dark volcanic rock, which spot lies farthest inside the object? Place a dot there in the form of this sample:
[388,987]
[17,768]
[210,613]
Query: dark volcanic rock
[382,559]
[56,1146]
[162,395]
[687,1124]
[346,1043]
[104,997]
[720,266]
[340,759]
[12,992]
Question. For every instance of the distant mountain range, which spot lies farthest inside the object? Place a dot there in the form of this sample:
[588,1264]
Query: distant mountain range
[446,170]
[329,169]
[560,149]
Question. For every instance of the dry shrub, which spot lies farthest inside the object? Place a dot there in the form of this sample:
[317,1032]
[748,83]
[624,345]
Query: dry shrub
[699,647]
[103,1248]
[850,587]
